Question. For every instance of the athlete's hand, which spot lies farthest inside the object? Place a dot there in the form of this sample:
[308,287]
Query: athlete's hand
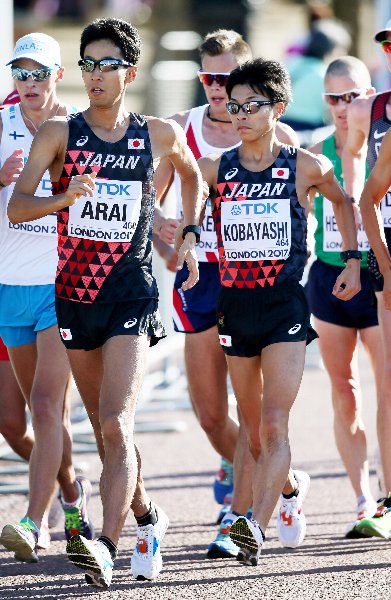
[171,259]
[348,283]
[387,290]
[205,190]
[80,185]
[12,167]
[167,230]
[187,253]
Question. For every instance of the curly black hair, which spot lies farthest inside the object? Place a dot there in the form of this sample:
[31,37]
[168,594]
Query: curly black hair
[120,32]
[267,77]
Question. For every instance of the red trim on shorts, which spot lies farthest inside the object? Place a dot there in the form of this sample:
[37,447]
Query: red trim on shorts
[3,351]
[177,301]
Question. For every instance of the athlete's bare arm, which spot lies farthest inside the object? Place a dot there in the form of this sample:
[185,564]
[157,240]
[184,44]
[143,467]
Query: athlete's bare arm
[47,152]
[13,165]
[209,166]
[355,150]
[168,141]
[316,171]
[375,188]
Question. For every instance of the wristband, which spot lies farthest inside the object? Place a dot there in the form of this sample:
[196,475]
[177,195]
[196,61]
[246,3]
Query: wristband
[196,229]
[347,254]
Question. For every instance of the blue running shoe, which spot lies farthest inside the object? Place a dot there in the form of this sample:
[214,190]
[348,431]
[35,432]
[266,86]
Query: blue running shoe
[223,546]
[224,481]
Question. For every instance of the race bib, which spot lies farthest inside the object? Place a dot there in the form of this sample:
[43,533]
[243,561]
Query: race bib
[208,241]
[110,215]
[332,240]
[46,225]
[256,230]
[385,209]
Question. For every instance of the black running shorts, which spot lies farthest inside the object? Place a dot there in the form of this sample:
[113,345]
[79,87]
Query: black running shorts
[88,326]
[248,320]
[358,313]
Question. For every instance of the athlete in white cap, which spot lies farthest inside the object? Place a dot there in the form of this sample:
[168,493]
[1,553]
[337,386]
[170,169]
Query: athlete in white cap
[28,324]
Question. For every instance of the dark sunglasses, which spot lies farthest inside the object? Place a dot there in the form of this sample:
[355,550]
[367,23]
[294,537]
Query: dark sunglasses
[249,108]
[208,78]
[35,74]
[386,46]
[347,97]
[105,65]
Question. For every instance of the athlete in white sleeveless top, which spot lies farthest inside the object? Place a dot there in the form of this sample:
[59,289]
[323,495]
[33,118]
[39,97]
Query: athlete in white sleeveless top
[28,322]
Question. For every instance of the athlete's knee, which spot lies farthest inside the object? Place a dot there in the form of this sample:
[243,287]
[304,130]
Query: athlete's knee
[344,385]
[212,422]
[274,427]
[346,408]
[116,428]
[45,410]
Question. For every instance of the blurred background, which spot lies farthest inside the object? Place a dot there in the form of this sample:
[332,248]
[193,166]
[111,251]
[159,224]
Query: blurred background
[172,30]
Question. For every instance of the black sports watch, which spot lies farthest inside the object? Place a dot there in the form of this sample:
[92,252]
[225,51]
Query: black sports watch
[196,229]
[347,254]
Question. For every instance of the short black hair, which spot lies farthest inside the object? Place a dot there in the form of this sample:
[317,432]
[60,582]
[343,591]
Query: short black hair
[267,77]
[121,33]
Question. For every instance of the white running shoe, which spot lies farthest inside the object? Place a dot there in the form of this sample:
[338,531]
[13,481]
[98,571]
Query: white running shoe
[21,539]
[291,524]
[247,535]
[43,542]
[94,558]
[365,510]
[147,560]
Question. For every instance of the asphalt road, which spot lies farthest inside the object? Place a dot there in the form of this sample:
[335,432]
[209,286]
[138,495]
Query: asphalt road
[178,469]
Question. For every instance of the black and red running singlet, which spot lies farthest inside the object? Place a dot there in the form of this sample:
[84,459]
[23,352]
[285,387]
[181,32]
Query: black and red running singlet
[261,226]
[105,241]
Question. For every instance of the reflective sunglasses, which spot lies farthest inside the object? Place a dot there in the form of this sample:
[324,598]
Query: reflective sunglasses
[347,97]
[208,78]
[249,108]
[386,46]
[105,65]
[35,74]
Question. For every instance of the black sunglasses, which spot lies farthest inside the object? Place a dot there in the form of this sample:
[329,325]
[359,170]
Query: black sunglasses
[105,64]
[249,108]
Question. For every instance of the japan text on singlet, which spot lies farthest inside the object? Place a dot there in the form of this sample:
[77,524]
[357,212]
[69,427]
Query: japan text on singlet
[261,226]
[206,248]
[28,253]
[105,241]
[380,124]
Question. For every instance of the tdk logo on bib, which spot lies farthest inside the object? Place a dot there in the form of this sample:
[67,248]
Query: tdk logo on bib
[254,208]
[113,189]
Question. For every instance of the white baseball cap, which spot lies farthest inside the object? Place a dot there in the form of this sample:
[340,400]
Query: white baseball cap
[39,47]
[381,35]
